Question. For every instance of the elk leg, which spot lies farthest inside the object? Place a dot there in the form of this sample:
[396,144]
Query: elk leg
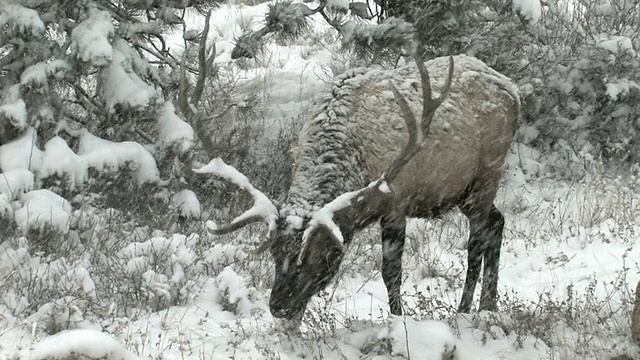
[393,236]
[495,227]
[474,261]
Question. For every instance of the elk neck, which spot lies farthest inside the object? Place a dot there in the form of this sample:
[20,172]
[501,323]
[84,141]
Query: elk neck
[328,159]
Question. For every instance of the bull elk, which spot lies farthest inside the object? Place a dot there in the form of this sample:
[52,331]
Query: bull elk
[364,158]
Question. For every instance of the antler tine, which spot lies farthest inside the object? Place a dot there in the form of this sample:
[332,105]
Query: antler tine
[414,132]
[417,134]
[262,209]
[429,105]
[236,224]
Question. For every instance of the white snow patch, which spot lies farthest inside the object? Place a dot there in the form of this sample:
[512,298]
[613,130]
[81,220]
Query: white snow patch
[295,221]
[236,291]
[104,155]
[36,75]
[90,39]
[186,203]
[531,9]
[60,160]
[616,44]
[426,340]
[78,343]
[172,130]
[620,87]
[16,182]
[21,153]
[16,112]
[121,84]
[42,209]
[23,18]
[603,8]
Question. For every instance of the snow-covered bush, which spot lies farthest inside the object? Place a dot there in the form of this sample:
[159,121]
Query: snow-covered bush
[579,85]
[162,270]
[78,86]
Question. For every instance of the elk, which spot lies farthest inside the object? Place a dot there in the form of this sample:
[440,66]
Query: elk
[365,158]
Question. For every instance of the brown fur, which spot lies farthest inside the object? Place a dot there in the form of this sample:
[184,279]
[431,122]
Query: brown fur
[469,138]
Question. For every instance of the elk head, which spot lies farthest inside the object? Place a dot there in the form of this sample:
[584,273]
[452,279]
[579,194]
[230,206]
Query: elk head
[308,252]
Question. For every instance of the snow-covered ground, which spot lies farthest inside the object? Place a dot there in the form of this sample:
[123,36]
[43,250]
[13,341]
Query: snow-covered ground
[568,265]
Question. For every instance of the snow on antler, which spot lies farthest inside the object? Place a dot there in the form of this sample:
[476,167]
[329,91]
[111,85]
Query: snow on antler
[323,218]
[262,209]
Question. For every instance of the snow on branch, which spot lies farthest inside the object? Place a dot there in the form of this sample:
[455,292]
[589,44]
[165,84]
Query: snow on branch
[16,182]
[94,152]
[287,20]
[21,18]
[530,9]
[394,36]
[37,75]
[173,131]
[90,39]
[16,113]
[105,155]
[21,153]
[61,161]
[13,184]
[121,83]
[42,209]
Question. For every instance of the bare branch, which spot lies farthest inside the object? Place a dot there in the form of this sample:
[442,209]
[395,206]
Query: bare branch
[262,210]
[204,62]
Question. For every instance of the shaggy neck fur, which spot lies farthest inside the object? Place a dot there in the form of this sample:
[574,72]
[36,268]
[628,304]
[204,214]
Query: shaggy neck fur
[328,159]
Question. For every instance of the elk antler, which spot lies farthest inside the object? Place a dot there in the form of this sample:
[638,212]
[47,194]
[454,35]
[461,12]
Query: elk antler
[417,137]
[262,209]
[417,133]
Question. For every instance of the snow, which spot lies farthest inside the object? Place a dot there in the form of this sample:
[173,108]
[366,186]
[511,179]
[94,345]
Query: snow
[58,159]
[122,86]
[21,17]
[16,182]
[616,44]
[620,87]
[172,130]
[90,40]
[73,343]
[530,9]
[21,153]
[324,216]
[104,155]
[36,75]
[43,209]
[16,112]
[426,340]
[186,203]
